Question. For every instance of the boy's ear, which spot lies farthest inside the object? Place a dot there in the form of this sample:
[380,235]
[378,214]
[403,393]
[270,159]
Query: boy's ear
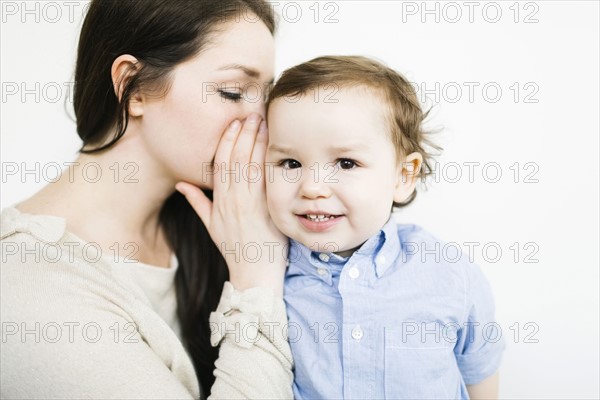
[123,68]
[407,176]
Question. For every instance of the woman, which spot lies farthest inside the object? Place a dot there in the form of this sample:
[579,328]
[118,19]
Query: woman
[160,101]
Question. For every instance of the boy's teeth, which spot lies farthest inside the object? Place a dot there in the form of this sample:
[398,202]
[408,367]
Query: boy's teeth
[319,218]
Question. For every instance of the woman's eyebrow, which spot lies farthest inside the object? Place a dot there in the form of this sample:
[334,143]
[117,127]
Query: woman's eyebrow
[251,72]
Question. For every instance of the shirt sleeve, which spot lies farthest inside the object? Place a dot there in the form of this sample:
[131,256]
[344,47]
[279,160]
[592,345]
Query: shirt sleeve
[255,360]
[480,343]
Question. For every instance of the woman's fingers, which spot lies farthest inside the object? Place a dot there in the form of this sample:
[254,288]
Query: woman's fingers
[257,159]
[198,200]
[223,156]
[244,144]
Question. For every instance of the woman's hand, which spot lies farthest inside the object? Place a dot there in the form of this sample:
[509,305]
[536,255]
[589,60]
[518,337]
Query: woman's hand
[237,219]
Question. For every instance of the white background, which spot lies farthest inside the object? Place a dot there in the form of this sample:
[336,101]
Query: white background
[551,211]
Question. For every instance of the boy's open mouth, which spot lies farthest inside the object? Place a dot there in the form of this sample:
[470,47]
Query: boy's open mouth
[320,217]
[318,220]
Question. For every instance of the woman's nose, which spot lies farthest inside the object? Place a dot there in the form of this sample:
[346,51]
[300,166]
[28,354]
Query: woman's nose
[255,107]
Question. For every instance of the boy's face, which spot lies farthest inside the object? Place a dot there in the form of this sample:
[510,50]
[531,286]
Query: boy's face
[332,159]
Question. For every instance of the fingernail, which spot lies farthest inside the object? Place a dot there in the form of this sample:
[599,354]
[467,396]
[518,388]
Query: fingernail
[253,118]
[235,125]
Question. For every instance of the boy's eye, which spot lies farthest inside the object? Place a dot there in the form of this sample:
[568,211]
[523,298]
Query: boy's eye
[230,95]
[346,163]
[290,164]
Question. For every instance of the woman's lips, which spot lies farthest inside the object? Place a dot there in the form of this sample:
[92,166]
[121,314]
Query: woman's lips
[319,226]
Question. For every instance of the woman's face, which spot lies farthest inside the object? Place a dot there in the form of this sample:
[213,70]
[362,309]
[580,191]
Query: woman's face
[228,80]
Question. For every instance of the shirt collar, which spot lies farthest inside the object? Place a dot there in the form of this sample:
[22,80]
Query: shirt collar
[323,265]
[381,249]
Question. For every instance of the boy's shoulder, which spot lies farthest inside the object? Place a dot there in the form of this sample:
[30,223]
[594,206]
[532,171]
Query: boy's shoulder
[426,256]
[418,245]
[414,233]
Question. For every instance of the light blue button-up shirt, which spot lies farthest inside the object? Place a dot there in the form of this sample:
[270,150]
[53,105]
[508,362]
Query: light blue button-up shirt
[398,319]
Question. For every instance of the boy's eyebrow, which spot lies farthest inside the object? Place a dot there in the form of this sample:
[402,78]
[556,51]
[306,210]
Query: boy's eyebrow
[351,147]
[341,149]
[278,149]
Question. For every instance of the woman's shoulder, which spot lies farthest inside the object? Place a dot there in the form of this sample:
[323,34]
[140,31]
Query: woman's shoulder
[42,263]
[40,242]
[46,228]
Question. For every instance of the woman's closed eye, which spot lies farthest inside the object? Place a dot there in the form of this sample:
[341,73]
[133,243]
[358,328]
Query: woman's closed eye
[233,96]
[289,164]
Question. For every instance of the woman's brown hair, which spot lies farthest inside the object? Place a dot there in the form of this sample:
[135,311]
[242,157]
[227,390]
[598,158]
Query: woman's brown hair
[161,34]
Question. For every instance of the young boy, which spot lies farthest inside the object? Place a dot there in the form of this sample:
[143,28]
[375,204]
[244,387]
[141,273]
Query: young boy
[373,311]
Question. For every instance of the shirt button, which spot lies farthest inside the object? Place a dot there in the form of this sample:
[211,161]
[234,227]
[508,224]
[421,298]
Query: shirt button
[357,333]
[380,260]
[353,273]
[321,271]
[323,257]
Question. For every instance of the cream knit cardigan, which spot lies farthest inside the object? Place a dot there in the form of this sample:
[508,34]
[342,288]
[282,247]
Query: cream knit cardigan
[73,328]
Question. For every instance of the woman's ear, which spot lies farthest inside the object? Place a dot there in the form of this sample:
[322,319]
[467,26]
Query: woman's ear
[407,176]
[122,70]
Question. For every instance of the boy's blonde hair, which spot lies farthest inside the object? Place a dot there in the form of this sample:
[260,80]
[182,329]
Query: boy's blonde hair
[405,115]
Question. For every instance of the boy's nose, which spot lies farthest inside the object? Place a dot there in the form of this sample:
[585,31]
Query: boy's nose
[312,188]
